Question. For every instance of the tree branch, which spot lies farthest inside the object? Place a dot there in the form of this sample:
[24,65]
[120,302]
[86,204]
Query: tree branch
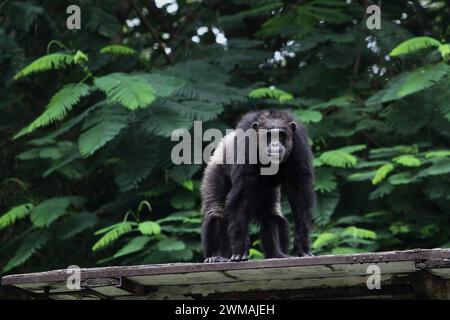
[151,29]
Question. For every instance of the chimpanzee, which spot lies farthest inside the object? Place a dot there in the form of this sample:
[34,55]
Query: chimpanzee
[234,193]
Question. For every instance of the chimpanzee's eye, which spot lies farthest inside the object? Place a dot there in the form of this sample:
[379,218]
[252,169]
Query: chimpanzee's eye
[282,135]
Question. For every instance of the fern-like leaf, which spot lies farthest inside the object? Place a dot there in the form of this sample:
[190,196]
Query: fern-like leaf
[163,85]
[51,209]
[130,90]
[338,158]
[149,228]
[135,245]
[15,214]
[444,49]
[60,104]
[308,116]
[29,245]
[169,244]
[410,82]
[437,154]
[272,93]
[73,225]
[324,209]
[49,62]
[407,160]
[197,76]
[324,239]
[440,166]
[117,49]
[414,45]
[139,158]
[194,110]
[101,127]
[164,121]
[359,233]
[382,173]
[325,180]
[112,235]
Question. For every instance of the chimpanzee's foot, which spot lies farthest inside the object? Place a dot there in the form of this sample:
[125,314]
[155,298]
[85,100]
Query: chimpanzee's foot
[216,259]
[239,257]
[305,254]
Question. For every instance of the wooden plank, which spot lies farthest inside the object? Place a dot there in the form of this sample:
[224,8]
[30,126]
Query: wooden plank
[130,271]
[255,288]
[290,278]
[332,270]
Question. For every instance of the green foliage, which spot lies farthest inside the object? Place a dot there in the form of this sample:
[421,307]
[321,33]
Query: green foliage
[438,154]
[60,104]
[419,43]
[163,85]
[414,45]
[340,158]
[325,206]
[337,240]
[49,62]
[49,210]
[444,49]
[359,233]
[194,110]
[139,158]
[24,14]
[14,214]
[323,238]
[112,233]
[407,160]
[130,90]
[325,180]
[170,245]
[117,49]
[272,93]
[29,245]
[76,224]
[135,245]
[263,7]
[101,127]
[308,116]
[410,82]
[149,228]
[163,122]
[382,173]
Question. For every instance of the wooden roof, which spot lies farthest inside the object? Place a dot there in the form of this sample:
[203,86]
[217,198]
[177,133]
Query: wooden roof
[404,274]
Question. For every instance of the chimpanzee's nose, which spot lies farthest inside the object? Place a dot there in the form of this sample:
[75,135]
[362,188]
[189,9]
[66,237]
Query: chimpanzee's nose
[274,143]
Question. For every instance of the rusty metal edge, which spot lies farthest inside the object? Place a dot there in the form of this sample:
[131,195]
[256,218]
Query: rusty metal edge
[416,255]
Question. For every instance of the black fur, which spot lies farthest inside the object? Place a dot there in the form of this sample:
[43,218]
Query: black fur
[232,194]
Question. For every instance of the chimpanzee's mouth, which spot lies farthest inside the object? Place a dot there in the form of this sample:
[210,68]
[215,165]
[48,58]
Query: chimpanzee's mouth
[274,156]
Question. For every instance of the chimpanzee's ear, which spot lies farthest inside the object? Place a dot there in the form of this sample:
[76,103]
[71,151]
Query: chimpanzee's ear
[293,126]
[255,125]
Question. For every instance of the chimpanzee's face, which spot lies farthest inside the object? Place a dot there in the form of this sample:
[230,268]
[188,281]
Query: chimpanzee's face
[276,137]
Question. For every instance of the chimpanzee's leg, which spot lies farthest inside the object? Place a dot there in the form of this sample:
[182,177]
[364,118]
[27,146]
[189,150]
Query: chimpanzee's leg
[215,239]
[238,234]
[215,187]
[301,199]
[274,227]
